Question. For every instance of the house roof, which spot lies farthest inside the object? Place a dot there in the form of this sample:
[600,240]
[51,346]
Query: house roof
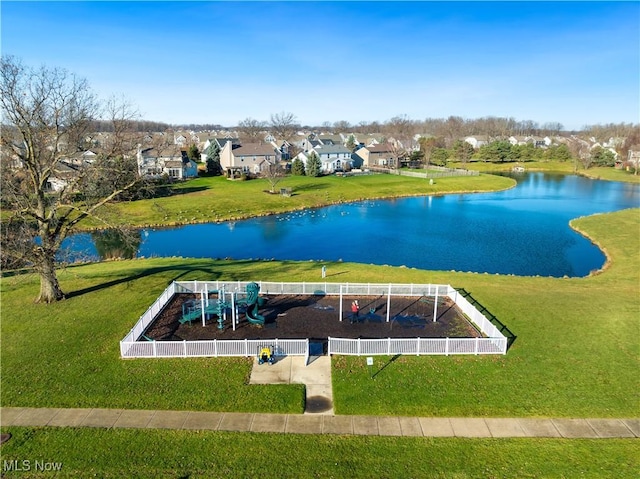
[255,149]
[171,151]
[380,148]
[330,149]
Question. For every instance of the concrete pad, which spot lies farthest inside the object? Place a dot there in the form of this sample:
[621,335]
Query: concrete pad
[236,421]
[633,425]
[504,427]
[610,428]
[538,427]
[9,414]
[574,428]
[135,419]
[365,425]
[102,418]
[268,423]
[302,424]
[168,420]
[337,425]
[318,372]
[469,427]
[410,426]
[319,399]
[69,417]
[389,426]
[203,420]
[278,373]
[436,427]
[35,417]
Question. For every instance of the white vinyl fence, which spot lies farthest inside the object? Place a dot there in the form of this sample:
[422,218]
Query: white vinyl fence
[135,345]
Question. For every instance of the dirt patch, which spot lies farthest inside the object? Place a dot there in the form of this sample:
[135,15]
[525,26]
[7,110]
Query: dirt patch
[318,317]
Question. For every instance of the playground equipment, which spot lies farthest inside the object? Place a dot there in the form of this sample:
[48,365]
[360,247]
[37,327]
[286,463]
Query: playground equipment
[203,308]
[265,355]
[252,303]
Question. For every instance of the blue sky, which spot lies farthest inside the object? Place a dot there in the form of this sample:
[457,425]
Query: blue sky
[577,63]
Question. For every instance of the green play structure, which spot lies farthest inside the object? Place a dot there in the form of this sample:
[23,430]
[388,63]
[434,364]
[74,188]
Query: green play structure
[205,308]
[194,309]
[252,303]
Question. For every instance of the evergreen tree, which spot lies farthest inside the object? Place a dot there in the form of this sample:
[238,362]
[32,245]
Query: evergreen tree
[297,167]
[213,159]
[194,153]
[314,167]
[351,143]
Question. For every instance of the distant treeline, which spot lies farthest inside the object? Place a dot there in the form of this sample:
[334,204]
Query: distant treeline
[402,127]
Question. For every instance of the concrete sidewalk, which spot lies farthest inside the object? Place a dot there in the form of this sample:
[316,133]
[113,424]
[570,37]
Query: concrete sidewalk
[323,424]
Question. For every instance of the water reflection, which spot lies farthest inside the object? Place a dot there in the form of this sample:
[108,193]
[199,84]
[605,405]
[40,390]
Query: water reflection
[116,243]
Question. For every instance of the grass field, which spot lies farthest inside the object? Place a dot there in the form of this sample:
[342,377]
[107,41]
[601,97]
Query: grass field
[179,454]
[567,167]
[576,355]
[209,199]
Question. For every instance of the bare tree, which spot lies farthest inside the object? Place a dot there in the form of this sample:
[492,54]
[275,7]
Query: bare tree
[273,172]
[251,129]
[46,113]
[284,126]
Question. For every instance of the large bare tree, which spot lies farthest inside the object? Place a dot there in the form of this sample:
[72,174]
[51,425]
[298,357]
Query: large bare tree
[284,125]
[48,188]
[252,130]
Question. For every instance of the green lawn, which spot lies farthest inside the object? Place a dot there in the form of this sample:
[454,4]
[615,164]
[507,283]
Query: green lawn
[567,167]
[199,454]
[216,198]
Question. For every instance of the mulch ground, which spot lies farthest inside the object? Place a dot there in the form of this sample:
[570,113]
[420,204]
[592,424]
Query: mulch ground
[317,318]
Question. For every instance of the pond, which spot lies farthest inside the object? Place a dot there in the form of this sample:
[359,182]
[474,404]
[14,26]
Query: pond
[521,231]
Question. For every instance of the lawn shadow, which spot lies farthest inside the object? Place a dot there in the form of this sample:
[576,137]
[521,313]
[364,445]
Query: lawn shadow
[142,274]
[511,338]
[311,187]
[387,364]
[337,274]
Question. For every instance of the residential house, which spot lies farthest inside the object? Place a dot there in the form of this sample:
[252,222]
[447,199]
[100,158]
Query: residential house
[477,141]
[247,158]
[380,155]
[171,161]
[633,158]
[235,143]
[332,157]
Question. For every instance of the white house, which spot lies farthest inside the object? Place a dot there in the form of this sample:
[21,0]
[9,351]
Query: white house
[332,157]
[477,141]
[171,161]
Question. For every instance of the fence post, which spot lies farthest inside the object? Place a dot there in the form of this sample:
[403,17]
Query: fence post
[418,347]
[306,354]
[155,350]
[388,346]
[358,346]
[446,346]
[476,348]
[246,347]
[184,347]
[215,348]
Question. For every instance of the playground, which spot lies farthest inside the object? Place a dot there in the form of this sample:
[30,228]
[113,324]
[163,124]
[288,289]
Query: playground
[317,317]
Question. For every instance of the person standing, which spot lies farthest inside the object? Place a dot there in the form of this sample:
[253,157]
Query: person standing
[355,309]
